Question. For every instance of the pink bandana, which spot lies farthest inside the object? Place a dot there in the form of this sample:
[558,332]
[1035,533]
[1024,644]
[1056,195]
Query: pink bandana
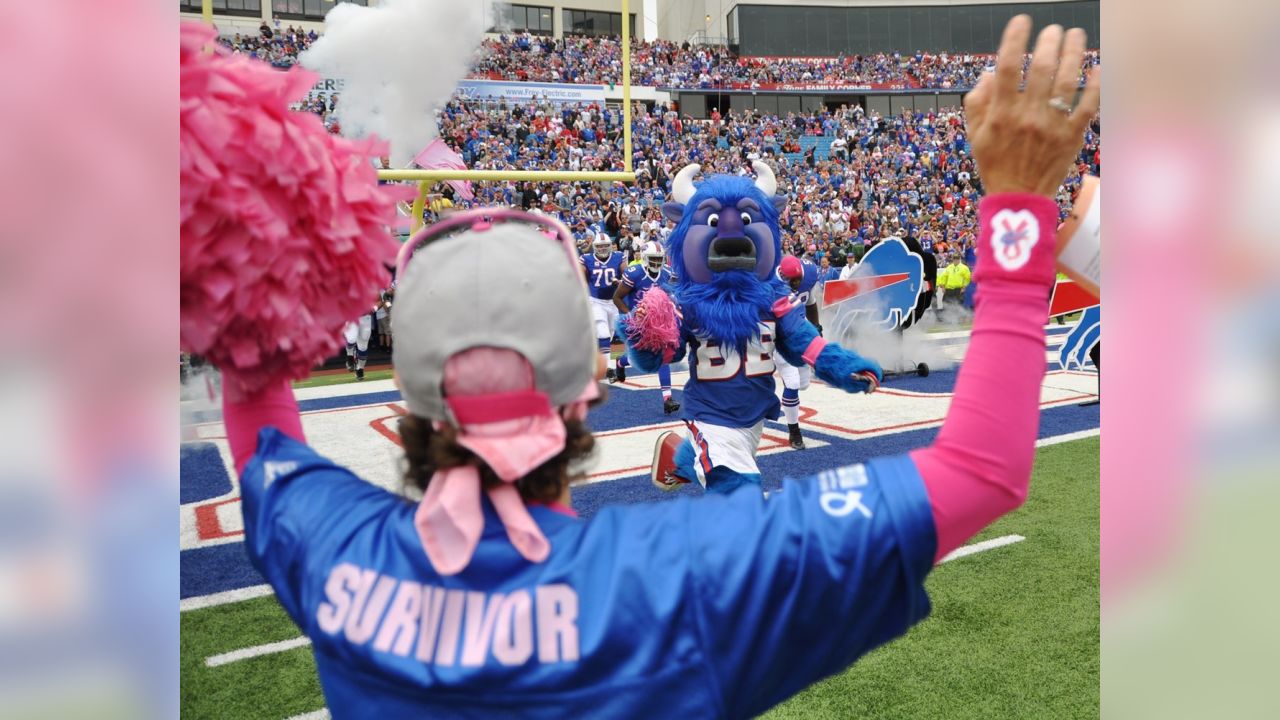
[513,433]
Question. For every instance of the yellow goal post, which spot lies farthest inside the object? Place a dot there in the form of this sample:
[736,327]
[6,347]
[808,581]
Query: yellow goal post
[427,178]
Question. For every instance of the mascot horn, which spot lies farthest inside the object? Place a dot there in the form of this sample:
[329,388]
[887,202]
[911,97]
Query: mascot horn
[733,314]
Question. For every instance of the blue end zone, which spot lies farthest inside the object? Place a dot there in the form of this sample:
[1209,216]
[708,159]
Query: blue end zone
[216,568]
[203,474]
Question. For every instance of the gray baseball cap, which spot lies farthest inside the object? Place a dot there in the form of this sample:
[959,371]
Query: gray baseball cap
[503,285]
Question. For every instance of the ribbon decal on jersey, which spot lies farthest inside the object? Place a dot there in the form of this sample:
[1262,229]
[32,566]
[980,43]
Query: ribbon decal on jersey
[882,289]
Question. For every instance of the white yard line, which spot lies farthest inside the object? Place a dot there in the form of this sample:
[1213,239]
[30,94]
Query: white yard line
[981,547]
[321,714]
[256,651]
[223,598]
[1068,437]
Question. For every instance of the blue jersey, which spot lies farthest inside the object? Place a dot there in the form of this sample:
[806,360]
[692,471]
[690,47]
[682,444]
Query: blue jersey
[804,295]
[639,280]
[618,621]
[727,389]
[602,275]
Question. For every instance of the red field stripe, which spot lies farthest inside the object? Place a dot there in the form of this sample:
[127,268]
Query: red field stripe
[208,527]
[380,424]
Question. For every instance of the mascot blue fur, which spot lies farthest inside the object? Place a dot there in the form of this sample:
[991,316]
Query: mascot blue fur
[734,313]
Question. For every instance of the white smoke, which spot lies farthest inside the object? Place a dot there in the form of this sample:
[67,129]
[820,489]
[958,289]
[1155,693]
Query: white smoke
[895,351]
[399,61]
[200,393]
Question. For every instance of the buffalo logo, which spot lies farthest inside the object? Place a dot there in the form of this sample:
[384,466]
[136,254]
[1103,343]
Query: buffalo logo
[1081,340]
[1069,297]
[883,288]
[1013,236]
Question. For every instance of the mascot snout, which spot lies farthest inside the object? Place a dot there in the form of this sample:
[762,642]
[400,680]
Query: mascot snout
[731,253]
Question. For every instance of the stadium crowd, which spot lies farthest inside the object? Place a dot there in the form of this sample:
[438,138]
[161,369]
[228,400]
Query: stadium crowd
[661,63]
[855,178]
[276,46]
[863,177]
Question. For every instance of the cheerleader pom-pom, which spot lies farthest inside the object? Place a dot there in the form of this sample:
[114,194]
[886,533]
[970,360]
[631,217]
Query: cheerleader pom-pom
[284,228]
[654,324]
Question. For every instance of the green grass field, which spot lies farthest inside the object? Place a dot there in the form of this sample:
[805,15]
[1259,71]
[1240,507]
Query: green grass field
[340,378]
[1013,634]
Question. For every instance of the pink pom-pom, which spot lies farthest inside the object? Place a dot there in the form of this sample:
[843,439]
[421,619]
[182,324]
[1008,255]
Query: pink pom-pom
[284,229]
[654,324]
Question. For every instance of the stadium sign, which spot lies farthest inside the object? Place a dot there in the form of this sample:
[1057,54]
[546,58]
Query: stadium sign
[497,90]
[551,92]
[327,87]
[819,86]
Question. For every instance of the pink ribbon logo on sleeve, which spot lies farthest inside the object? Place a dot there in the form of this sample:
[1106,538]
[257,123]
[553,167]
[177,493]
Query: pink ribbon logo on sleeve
[1013,236]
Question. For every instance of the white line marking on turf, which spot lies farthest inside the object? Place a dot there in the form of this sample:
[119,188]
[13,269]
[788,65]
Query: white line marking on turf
[981,547]
[1068,437]
[321,714]
[223,598]
[256,651]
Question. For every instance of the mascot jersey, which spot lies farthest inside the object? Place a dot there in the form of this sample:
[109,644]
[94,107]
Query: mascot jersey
[726,388]
[603,275]
[637,278]
[392,638]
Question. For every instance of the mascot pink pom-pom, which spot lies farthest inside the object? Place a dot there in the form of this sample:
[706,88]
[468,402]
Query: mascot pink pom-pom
[284,229]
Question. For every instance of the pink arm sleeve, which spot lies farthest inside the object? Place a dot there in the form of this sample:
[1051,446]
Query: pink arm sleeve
[979,466]
[244,416]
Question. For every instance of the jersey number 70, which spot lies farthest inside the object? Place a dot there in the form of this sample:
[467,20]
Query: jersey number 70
[603,277]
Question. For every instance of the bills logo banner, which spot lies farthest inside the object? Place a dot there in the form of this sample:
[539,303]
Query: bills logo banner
[882,290]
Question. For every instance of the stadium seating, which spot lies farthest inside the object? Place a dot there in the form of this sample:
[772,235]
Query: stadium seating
[522,57]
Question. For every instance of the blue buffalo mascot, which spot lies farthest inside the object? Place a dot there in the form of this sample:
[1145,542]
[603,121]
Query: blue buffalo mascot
[730,312]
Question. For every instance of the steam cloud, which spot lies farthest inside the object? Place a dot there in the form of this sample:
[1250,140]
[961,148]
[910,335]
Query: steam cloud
[895,351]
[399,61]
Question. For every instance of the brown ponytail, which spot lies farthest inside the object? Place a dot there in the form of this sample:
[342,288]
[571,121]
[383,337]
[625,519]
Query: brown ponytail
[427,450]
